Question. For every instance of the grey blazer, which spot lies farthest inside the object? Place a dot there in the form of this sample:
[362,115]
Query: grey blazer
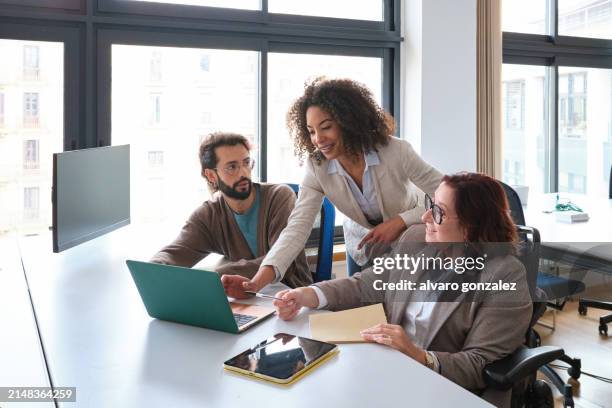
[467,335]
[400,180]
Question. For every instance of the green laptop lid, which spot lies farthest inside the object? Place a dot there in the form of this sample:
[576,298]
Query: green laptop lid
[183,295]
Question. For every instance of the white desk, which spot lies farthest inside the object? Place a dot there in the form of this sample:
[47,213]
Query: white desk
[589,242]
[100,339]
[21,358]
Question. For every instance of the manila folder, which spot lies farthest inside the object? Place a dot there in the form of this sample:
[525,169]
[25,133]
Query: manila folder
[344,326]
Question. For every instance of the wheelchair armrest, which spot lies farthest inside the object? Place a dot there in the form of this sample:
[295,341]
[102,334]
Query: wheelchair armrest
[504,373]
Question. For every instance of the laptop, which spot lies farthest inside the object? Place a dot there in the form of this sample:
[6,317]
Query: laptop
[192,296]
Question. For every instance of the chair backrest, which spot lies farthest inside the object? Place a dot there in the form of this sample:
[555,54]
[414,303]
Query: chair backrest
[322,240]
[529,255]
[516,207]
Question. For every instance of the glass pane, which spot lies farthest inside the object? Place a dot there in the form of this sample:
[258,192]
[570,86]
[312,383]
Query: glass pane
[585,130]
[586,18]
[524,16]
[523,126]
[235,4]
[287,74]
[31,130]
[164,101]
[352,9]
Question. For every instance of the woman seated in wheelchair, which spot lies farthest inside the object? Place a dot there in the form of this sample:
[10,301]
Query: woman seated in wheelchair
[456,297]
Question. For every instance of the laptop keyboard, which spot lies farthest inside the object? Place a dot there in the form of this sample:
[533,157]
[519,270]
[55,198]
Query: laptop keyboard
[242,319]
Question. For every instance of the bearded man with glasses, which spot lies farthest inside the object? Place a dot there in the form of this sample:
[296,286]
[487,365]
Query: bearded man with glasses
[241,220]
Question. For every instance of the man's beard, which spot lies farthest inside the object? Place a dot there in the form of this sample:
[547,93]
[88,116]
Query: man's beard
[232,192]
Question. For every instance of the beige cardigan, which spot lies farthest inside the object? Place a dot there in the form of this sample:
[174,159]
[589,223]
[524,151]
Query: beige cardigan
[397,180]
[213,228]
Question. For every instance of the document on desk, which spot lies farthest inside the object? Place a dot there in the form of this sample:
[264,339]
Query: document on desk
[344,326]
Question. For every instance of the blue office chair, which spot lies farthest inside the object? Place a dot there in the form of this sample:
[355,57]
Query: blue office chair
[321,238]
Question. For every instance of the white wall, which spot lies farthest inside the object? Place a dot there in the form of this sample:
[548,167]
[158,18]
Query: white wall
[439,81]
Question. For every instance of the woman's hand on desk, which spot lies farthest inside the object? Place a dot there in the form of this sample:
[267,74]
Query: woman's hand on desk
[394,336]
[386,232]
[293,300]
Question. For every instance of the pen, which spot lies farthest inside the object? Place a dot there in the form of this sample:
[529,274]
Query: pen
[261,295]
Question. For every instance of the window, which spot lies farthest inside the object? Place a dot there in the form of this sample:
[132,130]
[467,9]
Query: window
[25,148]
[352,9]
[523,129]
[237,4]
[591,18]
[585,120]
[31,62]
[213,45]
[31,203]
[30,154]
[567,137]
[287,75]
[156,159]
[186,109]
[30,109]
[524,16]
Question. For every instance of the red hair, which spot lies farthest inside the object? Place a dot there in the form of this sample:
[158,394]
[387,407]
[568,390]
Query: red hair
[482,208]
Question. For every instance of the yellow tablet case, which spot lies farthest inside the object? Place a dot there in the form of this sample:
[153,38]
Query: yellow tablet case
[291,380]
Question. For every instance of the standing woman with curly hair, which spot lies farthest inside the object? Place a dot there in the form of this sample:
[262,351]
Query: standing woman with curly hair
[377,180]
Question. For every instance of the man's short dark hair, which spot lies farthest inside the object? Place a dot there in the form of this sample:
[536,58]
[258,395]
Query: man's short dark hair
[208,157]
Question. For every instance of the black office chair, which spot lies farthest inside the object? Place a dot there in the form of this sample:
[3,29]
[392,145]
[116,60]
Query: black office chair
[584,304]
[557,288]
[518,371]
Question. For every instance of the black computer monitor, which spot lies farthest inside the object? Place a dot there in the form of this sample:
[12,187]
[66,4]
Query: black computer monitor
[91,194]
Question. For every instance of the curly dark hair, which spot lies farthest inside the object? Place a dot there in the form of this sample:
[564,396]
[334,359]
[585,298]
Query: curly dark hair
[364,124]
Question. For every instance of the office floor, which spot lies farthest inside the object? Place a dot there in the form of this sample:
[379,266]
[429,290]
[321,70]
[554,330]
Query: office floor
[579,337]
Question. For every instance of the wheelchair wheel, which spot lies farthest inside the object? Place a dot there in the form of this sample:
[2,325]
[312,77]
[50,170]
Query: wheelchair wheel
[540,396]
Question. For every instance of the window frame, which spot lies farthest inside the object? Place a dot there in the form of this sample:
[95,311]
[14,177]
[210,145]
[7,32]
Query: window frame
[553,50]
[88,28]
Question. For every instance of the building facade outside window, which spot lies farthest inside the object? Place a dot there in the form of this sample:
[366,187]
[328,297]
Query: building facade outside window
[31,203]
[30,154]
[31,62]
[30,109]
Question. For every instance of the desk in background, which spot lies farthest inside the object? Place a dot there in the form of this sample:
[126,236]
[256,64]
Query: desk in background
[585,244]
[100,339]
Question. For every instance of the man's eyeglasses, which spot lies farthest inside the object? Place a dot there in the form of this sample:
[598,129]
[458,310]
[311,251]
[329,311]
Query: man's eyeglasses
[437,213]
[233,168]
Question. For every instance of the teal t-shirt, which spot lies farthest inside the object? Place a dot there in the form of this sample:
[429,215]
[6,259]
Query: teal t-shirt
[248,221]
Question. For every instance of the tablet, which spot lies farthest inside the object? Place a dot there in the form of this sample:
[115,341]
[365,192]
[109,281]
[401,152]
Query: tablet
[281,358]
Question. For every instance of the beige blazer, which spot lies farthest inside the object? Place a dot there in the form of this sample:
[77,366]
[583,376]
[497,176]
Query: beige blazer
[467,335]
[400,180]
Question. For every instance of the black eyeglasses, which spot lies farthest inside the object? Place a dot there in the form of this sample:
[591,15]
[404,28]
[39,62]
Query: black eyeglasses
[437,213]
[233,168]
